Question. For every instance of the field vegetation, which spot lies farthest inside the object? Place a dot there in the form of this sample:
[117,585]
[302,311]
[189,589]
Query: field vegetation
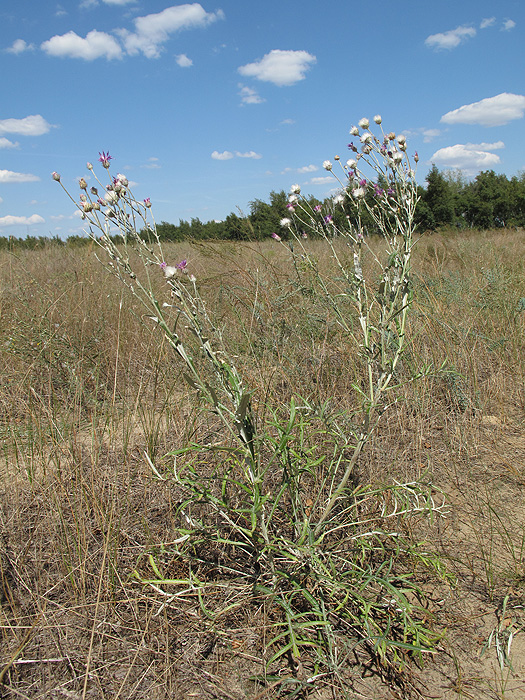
[100,599]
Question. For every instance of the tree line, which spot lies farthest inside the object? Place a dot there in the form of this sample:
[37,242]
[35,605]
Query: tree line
[449,200]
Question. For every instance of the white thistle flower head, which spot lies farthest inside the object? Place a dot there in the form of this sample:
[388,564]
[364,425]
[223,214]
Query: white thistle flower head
[169,271]
[364,123]
[293,198]
[377,119]
[351,163]
[111,197]
[295,189]
[123,180]
[89,166]
[285,222]
[358,193]
[354,131]
[338,199]
[401,139]
[327,165]
[397,157]
[366,137]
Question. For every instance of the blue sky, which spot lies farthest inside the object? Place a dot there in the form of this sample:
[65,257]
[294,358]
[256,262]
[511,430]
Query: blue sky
[208,106]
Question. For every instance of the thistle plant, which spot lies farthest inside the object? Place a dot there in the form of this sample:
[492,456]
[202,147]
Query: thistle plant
[269,514]
[379,180]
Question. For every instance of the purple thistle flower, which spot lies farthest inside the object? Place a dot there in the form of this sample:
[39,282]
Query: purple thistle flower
[328,219]
[147,203]
[104,158]
[276,236]
[362,183]
[163,265]
[317,207]
[182,265]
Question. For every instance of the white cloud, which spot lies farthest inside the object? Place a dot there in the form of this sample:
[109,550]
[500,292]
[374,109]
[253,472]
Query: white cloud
[6,143]
[19,46]
[288,121]
[117,2]
[492,111]
[248,154]
[430,134]
[152,164]
[21,220]
[249,96]
[488,22]
[225,155]
[508,24]
[321,180]
[496,146]
[151,31]
[95,45]
[307,169]
[183,61]
[469,157]
[280,67]
[8,176]
[450,39]
[228,155]
[34,125]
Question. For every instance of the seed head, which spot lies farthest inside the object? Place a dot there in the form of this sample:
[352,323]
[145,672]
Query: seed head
[377,119]
[364,123]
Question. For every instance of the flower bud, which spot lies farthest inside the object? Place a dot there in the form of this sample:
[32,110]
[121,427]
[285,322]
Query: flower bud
[56,176]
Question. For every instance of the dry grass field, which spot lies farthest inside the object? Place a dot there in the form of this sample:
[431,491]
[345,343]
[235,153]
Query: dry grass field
[91,393]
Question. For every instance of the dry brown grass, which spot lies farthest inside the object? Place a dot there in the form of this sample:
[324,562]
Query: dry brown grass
[88,388]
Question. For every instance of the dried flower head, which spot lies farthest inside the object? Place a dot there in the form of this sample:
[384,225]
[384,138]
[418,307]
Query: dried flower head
[364,123]
[327,165]
[295,189]
[354,131]
[377,119]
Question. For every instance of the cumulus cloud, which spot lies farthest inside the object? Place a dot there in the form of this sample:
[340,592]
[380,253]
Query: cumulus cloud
[508,24]
[228,155]
[450,39]
[249,96]
[8,176]
[21,220]
[183,61]
[248,154]
[151,31]
[6,143]
[225,155]
[307,169]
[34,125]
[280,67]
[492,111]
[19,46]
[469,157]
[95,45]
[321,180]
[487,22]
